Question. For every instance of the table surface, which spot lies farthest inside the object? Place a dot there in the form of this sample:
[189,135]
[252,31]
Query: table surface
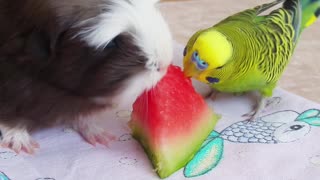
[302,74]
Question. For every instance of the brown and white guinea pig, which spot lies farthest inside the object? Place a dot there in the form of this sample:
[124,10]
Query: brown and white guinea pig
[65,61]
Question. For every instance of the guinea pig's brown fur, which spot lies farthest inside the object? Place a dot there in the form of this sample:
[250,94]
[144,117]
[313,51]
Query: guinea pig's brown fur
[50,73]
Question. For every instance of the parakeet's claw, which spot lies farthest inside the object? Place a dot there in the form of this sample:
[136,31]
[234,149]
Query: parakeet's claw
[251,115]
[255,115]
[213,95]
[267,103]
[257,110]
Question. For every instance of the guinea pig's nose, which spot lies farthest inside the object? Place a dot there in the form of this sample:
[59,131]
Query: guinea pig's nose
[152,66]
[156,66]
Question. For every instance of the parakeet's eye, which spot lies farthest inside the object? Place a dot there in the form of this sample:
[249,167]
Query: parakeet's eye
[212,80]
[185,51]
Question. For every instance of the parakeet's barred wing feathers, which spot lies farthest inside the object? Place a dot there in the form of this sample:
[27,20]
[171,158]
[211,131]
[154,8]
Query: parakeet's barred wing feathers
[264,7]
[281,30]
[294,7]
[252,13]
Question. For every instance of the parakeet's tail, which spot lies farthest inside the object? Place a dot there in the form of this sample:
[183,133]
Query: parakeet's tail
[305,13]
[310,12]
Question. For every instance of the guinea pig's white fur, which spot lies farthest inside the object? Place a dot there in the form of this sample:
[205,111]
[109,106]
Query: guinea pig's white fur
[57,64]
[143,21]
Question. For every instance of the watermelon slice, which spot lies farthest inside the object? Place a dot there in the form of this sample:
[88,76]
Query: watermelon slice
[171,121]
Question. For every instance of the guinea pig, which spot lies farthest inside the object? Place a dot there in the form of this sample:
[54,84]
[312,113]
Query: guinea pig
[64,62]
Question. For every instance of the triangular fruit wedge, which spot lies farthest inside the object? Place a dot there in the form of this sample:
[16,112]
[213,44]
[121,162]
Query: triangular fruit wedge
[171,121]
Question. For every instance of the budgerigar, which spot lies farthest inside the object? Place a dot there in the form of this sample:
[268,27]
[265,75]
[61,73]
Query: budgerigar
[249,51]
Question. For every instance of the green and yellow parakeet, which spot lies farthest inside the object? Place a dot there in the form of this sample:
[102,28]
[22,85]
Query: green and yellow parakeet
[249,51]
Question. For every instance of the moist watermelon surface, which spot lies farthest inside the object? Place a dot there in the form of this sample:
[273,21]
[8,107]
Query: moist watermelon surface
[171,121]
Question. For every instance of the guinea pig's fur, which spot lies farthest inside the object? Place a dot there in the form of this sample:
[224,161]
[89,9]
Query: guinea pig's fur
[65,61]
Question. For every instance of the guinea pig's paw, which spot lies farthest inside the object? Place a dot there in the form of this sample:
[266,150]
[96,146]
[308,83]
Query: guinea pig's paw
[94,134]
[19,140]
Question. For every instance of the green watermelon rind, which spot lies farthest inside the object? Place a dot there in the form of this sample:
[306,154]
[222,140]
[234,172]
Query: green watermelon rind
[163,172]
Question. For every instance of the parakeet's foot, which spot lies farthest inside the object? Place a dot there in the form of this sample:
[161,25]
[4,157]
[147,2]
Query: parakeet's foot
[269,103]
[93,133]
[17,139]
[257,110]
[251,115]
[213,95]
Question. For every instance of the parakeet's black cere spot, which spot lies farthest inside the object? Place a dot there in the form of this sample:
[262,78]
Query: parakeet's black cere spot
[185,51]
[296,127]
[220,67]
[212,80]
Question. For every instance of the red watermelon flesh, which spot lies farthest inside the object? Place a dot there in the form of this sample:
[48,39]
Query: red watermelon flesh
[171,121]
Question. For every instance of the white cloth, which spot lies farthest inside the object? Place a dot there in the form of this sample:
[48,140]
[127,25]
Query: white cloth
[290,154]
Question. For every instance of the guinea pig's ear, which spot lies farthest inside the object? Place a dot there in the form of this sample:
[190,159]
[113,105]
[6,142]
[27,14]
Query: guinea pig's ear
[56,34]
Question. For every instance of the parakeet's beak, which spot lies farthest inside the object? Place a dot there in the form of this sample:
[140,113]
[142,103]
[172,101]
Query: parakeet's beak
[189,69]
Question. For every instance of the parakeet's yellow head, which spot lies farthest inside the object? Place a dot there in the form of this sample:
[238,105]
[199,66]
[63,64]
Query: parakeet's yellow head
[206,55]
